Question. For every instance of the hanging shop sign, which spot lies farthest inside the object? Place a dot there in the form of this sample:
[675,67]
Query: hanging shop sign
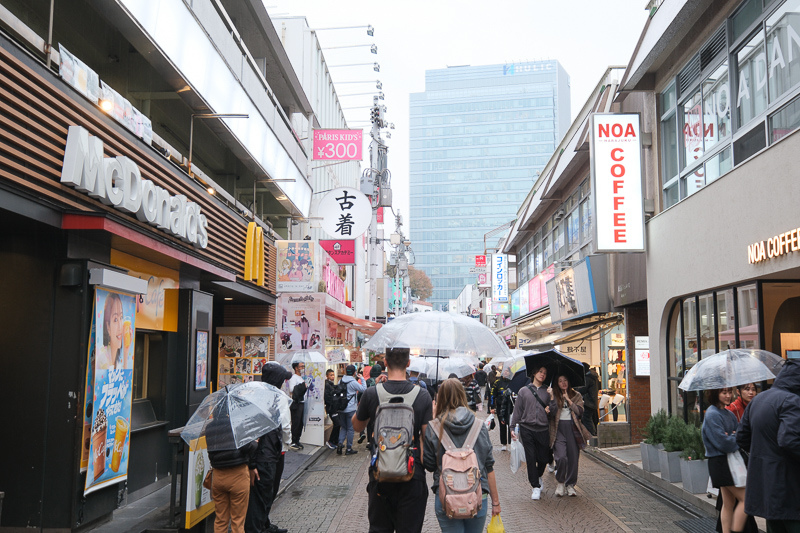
[774,247]
[343,251]
[616,165]
[117,181]
[345,213]
[500,277]
[111,349]
[642,356]
[484,280]
[338,145]
[571,293]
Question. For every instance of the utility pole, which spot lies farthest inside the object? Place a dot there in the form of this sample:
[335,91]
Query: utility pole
[402,257]
[375,183]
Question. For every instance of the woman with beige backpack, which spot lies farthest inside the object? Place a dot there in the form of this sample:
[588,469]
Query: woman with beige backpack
[458,451]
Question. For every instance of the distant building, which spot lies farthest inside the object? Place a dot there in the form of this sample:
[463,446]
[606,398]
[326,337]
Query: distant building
[479,137]
[418,306]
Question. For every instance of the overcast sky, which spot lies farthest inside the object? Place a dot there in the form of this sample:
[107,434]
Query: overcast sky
[413,36]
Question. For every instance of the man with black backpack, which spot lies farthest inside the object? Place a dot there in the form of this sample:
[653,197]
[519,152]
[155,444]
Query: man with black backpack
[531,415]
[399,409]
[297,388]
[330,386]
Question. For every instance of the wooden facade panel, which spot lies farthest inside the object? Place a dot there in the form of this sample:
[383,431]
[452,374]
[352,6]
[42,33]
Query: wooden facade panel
[35,119]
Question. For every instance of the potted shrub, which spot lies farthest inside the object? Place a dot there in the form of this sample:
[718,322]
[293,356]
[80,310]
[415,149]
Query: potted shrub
[674,443]
[694,466]
[653,441]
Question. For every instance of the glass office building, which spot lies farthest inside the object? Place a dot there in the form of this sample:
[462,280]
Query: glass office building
[479,137]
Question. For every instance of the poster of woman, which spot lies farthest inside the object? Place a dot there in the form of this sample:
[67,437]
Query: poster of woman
[301,324]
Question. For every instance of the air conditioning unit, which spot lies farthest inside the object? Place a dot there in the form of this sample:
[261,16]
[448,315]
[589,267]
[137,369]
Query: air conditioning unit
[559,214]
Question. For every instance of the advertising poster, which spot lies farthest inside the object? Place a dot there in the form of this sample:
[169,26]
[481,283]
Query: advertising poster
[300,325]
[158,309]
[241,358]
[114,317]
[198,498]
[201,361]
[295,266]
[314,376]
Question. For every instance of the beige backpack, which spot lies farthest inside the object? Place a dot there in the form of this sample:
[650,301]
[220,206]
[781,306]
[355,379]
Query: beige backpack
[459,474]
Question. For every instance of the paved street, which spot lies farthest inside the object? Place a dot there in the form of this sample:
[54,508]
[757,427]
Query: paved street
[331,497]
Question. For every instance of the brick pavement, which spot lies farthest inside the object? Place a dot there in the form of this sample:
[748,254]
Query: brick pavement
[331,497]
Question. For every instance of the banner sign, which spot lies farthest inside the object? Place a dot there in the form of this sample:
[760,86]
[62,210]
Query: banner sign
[345,212]
[396,294]
[616,165]
[343,251]
[198,498]
[114,332]
[500,278]
[295,266]
[338,145]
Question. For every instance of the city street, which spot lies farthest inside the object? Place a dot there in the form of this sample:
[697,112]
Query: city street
[331,497]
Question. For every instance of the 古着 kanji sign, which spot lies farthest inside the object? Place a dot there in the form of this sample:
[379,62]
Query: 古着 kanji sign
[345,213]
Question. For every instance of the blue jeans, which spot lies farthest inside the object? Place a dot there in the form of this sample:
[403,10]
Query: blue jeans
[346,428]
[468,525]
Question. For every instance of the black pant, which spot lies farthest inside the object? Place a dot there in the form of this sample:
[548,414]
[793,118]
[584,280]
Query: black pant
[334,438]
[297,410]
[537,452]
[588,419]
[505,433]
[396,507]
[262,495]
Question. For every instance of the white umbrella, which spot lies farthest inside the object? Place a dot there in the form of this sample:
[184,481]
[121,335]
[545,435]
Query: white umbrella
[308,356]
[418,364]
[446,334]
[440,369]
[731,368]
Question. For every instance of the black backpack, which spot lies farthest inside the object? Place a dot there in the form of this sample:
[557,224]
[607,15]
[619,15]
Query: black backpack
[339,398]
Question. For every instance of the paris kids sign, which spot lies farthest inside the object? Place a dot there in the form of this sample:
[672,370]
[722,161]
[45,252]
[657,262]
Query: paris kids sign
[338,145]
[616,162]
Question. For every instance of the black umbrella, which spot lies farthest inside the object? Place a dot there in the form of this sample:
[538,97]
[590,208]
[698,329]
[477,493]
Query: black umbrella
[519,380]
[557,364]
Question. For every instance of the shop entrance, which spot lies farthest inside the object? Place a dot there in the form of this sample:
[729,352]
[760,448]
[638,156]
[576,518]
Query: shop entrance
[782,318]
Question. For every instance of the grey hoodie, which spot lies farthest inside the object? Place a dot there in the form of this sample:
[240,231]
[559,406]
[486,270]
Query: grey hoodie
[458,427]
[353,388]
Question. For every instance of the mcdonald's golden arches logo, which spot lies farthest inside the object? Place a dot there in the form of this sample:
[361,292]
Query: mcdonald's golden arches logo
[254,254]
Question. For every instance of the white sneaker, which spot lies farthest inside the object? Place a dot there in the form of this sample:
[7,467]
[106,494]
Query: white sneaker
[560,490]
[551,467]
[503,448]
[571,490]
[537,494]
[541,482]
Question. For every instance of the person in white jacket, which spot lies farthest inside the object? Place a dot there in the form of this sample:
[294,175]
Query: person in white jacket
[269,458]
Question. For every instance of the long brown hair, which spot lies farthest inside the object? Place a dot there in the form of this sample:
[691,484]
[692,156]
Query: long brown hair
[557,391]
[450,396]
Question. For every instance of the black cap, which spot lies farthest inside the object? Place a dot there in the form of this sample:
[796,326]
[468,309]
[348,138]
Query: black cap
[274,374]
[375,371]
[350,370]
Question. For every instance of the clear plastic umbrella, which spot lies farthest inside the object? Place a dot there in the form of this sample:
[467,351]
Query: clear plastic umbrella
[308,356]
[731,368]
[418,364]
[440,368]
[514,363]
[447,333]
[235,415]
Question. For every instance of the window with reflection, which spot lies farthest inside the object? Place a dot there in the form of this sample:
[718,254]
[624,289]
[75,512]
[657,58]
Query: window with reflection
[707,333]
[748,317]
[675,361]
[751,66]
[726,320]
[783,42]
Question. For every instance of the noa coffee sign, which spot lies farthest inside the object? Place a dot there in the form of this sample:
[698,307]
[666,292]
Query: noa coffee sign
[616,164]
[117,181]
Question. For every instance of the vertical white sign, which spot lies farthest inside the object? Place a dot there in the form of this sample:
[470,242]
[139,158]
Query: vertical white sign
[642,356]
[616,163]
[500,277]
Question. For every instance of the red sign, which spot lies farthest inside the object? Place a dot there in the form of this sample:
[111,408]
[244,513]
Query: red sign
[480,260]
[537,291]
[380,215]
[341,251]
[338,145]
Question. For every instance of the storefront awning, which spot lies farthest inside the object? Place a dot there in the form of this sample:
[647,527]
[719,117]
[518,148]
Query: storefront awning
[364,326]
[576,334]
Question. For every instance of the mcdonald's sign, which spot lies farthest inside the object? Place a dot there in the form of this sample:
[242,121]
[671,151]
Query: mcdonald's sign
[254,255]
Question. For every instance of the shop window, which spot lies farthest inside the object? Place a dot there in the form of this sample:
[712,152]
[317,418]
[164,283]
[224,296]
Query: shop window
[720,164]
[749,144]
[785,121]
[669,146]
[668,98]
[783,28]
[692,129]
[726,320]
[573,230]
[690,333]
[675,361]
[716,107]
[781,317]
[693,182]
[751,95]
[671,193]
[708,325]
[748,317]
[744,17]
[586,220]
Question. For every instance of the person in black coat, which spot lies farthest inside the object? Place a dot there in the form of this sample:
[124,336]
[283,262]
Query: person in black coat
[770,431]
[589,392]
[496,404]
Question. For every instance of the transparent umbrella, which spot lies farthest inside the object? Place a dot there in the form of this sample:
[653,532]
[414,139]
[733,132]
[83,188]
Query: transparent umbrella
[448,333]
[308,356]
[514,363]
[418,364]
[235,415]
[440,369]
[731,368]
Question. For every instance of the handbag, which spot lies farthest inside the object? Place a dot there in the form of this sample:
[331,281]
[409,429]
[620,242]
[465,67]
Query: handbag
[207,480]
[737,468]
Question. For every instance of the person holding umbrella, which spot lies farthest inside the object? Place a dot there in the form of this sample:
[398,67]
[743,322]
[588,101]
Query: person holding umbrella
[532,411]
[568,435]
[495,404]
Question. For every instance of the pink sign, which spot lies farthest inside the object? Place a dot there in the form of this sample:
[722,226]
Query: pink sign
[480,260]
[537,292]
[341,145]
[342,251]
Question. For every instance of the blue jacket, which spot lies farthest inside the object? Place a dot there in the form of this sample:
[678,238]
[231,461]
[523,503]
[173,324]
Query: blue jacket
[717,423]
[353,388]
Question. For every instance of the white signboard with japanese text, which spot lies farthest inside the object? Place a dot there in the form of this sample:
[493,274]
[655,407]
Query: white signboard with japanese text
[616,165]
[500,277]
[345,213]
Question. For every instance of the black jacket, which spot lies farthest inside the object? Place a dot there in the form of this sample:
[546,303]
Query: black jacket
[590,391]
[480,377]
[506,407]
[268,449]
[328,397]
[230,458]
[498,388]
[770,431]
